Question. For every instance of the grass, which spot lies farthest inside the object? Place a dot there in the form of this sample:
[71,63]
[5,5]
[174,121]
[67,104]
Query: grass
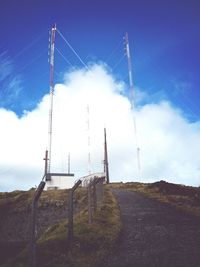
[185,198]
[91,242]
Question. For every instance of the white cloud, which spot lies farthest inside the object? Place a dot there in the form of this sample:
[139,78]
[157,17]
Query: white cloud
[169,143]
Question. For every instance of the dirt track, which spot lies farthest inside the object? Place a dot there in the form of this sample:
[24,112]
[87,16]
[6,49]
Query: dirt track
[154,235]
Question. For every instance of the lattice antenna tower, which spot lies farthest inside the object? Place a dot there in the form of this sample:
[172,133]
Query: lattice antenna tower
[51,93]
[132,98]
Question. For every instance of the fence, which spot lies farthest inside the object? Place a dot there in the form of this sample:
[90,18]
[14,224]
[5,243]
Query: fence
[32,217]
[36,197]
[71,210]
[95,196]
[94,193]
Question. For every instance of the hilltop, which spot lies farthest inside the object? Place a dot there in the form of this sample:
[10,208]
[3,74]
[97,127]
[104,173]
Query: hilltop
[91,242]
[185,198]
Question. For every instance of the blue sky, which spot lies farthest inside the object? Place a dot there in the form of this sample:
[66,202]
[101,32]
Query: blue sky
[164,42]
[163,35]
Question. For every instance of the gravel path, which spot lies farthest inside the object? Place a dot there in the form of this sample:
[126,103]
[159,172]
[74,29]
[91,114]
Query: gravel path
[154,235]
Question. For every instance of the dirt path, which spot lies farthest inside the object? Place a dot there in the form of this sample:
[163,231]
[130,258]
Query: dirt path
[154,235]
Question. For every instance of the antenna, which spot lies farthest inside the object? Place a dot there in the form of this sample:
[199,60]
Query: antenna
[106,170]
[51,93]
[129,71]
[88,130]
[132,98]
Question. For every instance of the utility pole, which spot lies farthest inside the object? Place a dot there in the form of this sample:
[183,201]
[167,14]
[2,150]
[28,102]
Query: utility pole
[132,98]
[51,93]
[106,170]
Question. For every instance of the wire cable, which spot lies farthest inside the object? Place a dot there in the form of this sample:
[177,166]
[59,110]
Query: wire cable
[118,62]
[72,49]
[31,62]
[28,46]
[114,51]
[66,60]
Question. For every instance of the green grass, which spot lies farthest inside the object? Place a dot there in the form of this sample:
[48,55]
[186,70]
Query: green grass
[91,242]
[185,198]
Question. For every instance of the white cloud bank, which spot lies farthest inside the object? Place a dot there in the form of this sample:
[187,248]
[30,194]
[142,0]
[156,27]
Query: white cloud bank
[169,143]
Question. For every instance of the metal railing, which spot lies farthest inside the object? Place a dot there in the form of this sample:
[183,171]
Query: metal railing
[94,192]
[95,196]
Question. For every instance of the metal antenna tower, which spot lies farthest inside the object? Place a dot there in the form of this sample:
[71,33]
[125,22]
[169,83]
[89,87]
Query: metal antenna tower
[51,93]
[132,98]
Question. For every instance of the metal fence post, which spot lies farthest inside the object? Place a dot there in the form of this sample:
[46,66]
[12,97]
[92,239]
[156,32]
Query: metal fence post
[95,195]
[71,212]
[36,197]
[101,189]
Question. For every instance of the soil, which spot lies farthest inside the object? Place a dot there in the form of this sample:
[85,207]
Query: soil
[154,235]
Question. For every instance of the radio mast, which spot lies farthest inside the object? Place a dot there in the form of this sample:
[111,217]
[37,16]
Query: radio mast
[51,93]
[132,98]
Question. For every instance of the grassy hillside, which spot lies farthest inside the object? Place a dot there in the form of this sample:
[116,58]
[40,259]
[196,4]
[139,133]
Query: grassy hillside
[91,242]
[185,198]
